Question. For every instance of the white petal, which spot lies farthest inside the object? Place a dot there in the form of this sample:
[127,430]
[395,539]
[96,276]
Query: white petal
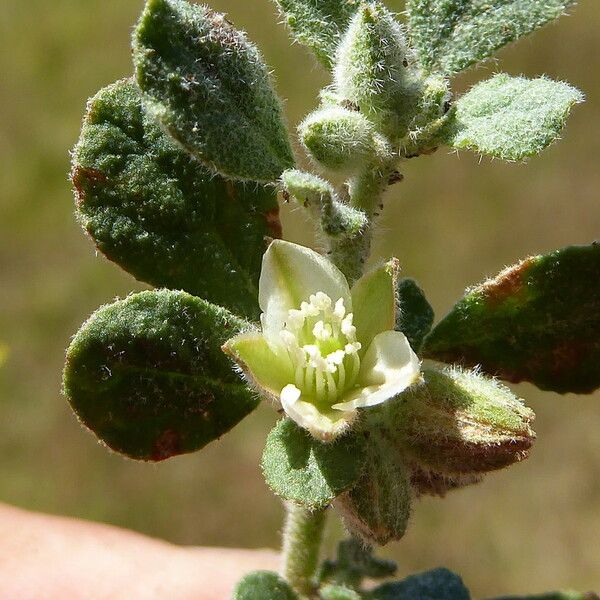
[307,416]
[388,368]
[290,274]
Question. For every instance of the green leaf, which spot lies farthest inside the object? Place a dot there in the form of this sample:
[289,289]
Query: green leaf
[338,592]
[451,35]
[311,473]
[160,214]
[147,375]
[377,507]
[263,585]
[415,317]
[554,596]
[536,321]
[438,584]
[209,86]
[510,117]
[318,24]
[355,561]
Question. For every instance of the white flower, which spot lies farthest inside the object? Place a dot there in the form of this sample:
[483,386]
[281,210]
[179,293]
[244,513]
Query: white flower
[324,350]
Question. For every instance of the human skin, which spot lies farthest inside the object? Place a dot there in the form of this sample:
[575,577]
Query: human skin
[45,557]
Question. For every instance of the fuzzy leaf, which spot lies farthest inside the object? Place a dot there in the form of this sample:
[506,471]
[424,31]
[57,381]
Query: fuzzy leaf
[311,473]
[377,507]
[354,562]
[209,86]
[537,321]
[160,214]
[438,584]
[415,317]
[554,596]
[510,117]
[147,375]
[338,592]
[263,585]
[451,35]
[318,24]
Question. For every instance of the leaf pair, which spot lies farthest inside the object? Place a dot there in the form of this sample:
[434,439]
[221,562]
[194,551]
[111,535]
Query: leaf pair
[147,374]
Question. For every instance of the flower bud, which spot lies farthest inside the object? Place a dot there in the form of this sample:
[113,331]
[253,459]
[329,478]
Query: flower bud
[336,218]
[460,422]
[375,69]
[341,139]
[377,508]
[428,483]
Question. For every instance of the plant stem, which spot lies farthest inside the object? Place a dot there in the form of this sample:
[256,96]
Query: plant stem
[302,537]
[366,191]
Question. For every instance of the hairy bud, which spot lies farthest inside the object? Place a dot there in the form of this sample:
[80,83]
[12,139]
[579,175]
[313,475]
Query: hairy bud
[340,139]
[375,69]
[337,219]
[460,422]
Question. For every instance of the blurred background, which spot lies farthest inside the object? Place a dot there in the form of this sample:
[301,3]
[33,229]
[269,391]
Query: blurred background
[452,222]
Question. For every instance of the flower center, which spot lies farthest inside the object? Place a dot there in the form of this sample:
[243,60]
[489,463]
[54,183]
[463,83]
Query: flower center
[321,342]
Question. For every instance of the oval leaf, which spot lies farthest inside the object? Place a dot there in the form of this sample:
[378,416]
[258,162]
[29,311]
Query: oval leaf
[147,375]
[510,117]
[437,584]
[160,214]
[304,470]
[452,35]
[263,585]
[318,24]
[211,89]
[537,321]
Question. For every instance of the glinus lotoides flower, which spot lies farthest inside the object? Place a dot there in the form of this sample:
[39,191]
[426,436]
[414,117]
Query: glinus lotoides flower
[324,350]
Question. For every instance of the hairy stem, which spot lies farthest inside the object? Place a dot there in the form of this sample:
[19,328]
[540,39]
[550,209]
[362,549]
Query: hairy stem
[302,537]
[366,191]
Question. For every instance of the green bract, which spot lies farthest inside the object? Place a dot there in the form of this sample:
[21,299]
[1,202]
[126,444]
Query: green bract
[147,376]
[210,88]
[160,214]
[324,351]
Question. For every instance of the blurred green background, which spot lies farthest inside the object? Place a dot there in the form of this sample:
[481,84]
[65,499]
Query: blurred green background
[452,222]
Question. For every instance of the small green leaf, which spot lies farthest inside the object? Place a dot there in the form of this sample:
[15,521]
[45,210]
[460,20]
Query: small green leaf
[451,35]
[510,117]
[338,592]
[415,317]
[355,561]
[147,375]
[438,584]
[554,596]
[210,88]
[537,321]
[160,215]
[300,468]
[377,507]
[263,585]
[318,24]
